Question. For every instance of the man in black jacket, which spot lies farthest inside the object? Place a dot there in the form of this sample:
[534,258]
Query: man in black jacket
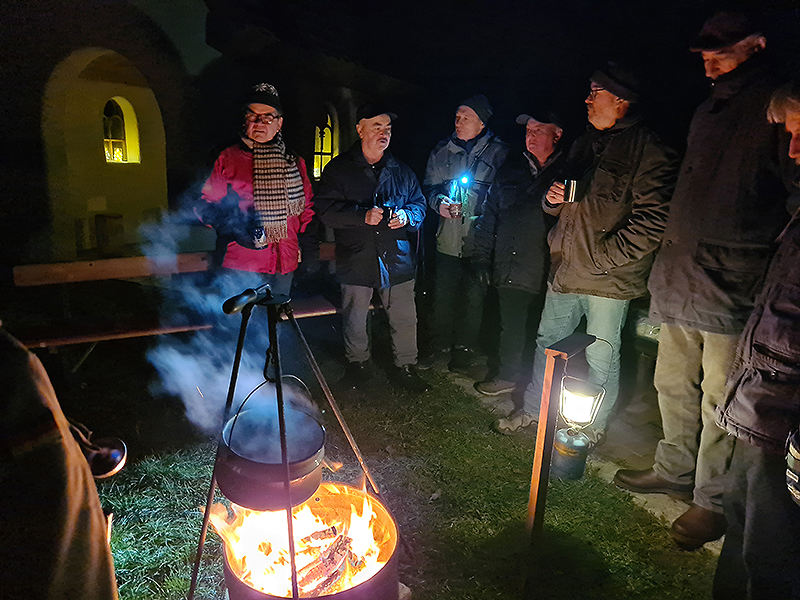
[371,201]
[728,207]
[761,553]
[511,243]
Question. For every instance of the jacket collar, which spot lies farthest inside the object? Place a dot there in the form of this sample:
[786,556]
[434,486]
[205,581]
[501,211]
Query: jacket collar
[728,85]
[387,160]
[457,146]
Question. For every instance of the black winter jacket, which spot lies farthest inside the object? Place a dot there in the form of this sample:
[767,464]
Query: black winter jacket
[370,255]
[763,403]
[604,242]
[512,232]
[728,207]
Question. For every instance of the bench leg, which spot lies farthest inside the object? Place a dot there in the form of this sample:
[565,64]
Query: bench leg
[83,358]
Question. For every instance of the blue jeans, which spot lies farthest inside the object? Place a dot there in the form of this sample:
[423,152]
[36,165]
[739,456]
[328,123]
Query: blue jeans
[562,314]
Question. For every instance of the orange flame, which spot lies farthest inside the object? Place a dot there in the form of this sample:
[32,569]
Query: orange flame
[342,538]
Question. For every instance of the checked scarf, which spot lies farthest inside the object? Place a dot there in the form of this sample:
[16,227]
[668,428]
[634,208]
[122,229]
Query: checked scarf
[277,189]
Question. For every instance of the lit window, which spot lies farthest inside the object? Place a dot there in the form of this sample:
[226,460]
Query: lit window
[120,132]
[326,145]
[114,133]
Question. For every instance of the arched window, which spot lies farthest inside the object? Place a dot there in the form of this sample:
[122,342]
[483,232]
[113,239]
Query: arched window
[120,132]
[326,142]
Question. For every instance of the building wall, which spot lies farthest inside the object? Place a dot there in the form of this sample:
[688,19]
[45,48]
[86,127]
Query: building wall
[81,184]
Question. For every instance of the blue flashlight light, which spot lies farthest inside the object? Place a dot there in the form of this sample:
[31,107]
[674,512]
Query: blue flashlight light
[465,179]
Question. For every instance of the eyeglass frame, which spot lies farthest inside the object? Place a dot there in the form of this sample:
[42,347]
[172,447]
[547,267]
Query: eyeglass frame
[265,118]
[593,92]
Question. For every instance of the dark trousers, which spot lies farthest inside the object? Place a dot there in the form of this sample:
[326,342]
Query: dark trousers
[760,558]
[517,309]
[457,304]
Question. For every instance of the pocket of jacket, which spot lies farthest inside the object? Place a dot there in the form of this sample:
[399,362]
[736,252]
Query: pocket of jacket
[611,180]
[737,269]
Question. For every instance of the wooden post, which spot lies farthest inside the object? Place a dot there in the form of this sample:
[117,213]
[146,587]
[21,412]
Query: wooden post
[557,356]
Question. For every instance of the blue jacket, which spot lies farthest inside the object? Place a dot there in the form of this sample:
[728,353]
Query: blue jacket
[371,256]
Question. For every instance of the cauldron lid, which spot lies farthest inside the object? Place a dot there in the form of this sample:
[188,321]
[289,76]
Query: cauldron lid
[256,435]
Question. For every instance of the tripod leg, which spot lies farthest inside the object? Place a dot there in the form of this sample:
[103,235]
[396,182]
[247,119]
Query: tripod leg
[327,391]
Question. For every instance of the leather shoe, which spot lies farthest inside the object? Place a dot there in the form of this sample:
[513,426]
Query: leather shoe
[648,482]
[697,526]
[407,378]
[355,373]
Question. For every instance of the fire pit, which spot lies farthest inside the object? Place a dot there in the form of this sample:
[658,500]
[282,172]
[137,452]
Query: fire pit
[345,542]
[339,542]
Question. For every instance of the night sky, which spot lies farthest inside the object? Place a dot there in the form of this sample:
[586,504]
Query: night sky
[525,56]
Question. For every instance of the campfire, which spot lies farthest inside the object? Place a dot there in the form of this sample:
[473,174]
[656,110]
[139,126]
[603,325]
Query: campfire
[343,538]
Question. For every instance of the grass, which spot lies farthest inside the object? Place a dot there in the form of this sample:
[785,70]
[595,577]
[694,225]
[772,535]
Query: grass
[458,490]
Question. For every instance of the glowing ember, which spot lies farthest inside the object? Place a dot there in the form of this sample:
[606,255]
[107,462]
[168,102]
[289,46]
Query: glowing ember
[342,538]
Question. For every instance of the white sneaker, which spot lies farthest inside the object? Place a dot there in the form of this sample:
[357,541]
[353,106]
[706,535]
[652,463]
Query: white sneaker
[515,422]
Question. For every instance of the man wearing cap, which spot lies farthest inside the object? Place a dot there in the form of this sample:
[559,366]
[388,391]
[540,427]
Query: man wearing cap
[258,198]
[511,243]
[605,239]
[372,201]
[460,169]
[729,205]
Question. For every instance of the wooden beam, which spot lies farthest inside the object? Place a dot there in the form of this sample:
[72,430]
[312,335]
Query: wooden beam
[108,268]
[123,268]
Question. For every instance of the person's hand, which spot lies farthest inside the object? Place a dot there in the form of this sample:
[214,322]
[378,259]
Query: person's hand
[449,209]
[399,219]
[374,215]
[555,195]
[481,270]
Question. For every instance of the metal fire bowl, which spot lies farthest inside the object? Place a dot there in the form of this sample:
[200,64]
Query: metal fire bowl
[384,585]
[249,470]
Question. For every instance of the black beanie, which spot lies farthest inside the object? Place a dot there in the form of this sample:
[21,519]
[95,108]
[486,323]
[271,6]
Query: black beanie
[264,93]
[480,104]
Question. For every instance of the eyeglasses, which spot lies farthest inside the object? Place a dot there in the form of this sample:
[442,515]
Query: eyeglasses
[593,92]
[266,118]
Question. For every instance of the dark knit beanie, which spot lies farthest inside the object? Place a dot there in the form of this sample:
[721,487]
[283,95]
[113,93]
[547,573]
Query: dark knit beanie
[617,80]
[264,93]
[480,104]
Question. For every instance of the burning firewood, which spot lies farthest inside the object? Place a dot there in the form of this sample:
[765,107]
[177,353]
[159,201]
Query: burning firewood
[327,563]
[324,534]
[326,586]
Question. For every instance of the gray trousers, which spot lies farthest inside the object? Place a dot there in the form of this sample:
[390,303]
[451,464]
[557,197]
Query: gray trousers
[691,372]
[398,301]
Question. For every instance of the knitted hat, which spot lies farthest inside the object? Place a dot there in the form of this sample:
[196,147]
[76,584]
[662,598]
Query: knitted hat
[617,80]
[722,30]
[480,104]
[264,93]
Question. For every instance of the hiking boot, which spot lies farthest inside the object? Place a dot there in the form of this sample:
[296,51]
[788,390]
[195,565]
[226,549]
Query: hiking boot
[494,387]
[406,377]
[648,482]
[462,359]
[515,422]
[355,374]
[697,526]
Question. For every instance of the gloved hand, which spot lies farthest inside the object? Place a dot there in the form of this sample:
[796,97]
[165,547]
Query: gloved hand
[481,270]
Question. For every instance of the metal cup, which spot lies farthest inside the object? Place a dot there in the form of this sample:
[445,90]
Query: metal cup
[570,190]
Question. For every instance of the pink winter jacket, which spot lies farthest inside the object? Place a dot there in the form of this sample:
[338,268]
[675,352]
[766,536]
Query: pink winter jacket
[234,167]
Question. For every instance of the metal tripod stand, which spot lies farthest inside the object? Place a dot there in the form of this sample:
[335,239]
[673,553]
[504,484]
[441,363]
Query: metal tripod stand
[276,306]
